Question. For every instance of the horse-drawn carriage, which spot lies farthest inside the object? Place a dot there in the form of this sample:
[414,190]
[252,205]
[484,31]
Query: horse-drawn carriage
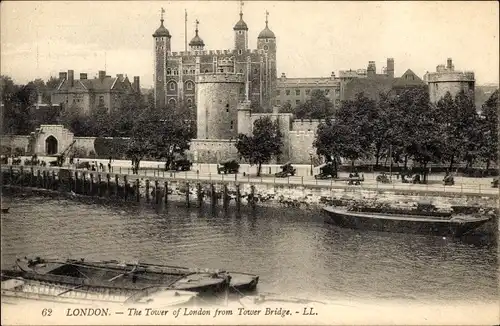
[326,171]
[228,167]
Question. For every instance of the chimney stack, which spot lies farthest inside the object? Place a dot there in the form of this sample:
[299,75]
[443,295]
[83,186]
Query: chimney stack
[83,75]
[449,64]
[137,85]
[102,74]
[390,67]
[120,77]
[371,70]
[63,75]
[71,77]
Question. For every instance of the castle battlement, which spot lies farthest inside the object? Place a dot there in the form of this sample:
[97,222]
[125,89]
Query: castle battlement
[220,78]
[177,54]
[449,76]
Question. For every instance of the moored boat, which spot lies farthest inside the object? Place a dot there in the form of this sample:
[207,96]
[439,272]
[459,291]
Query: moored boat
[409,221]
[20,291]
[133,275]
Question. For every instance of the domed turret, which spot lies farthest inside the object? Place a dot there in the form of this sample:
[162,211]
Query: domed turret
[161,31]
[197,42]
[241,25]
[266,32]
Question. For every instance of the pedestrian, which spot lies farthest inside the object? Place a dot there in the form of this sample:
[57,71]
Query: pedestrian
[109,166]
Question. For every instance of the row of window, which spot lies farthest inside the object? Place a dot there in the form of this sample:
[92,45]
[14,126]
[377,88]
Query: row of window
[172,85]
[173,102]
[307,91]
[175,72]
[297,102]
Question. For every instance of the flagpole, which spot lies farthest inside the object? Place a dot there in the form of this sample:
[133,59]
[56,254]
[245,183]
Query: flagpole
[185,30]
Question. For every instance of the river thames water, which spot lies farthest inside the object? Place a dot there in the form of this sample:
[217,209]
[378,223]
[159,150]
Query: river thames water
[295,252]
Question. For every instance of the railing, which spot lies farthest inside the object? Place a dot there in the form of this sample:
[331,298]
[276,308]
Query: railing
[369,184]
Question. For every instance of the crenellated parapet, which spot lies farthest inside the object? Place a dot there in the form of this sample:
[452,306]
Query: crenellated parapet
[204,78]
[233,52]
[449,76]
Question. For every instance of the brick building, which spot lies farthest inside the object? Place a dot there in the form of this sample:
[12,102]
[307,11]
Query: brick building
[85,95]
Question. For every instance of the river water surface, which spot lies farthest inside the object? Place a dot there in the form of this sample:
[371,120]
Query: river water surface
[295,252]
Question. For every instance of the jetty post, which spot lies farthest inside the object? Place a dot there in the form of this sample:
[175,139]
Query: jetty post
[166,192]
[137,190]
[187,194]
[147,191]
[157,193]
[225,200]
[108,185]
[32,176]
[125,187]
[38,179]
[54,180]
[213,195]
[91,187]
[199,192]
[99,187]
[238,196]
[116,185]
[76,182]
[252,195]
[84,183]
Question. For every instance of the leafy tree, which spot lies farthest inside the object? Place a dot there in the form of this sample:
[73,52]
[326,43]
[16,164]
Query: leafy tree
[329,141]
[488,128]
[159,134]
[318,106]
[266,141]
[458,122]
[286,108]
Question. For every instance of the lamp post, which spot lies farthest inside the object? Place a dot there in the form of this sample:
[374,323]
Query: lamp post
[311,157]
[390,166]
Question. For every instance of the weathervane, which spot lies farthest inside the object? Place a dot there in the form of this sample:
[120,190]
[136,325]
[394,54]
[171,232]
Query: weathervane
[267,15]
[241,8]
[162,12]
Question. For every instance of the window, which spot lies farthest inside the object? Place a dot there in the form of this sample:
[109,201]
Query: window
[287,92]
[241,71]
[278,102]
[240,32]
[278,92]
[227,107]
[255,71]
[189,85]
[176,72]
[327,91]
[169,71]
[206,70]
[266,47]
[297,92]
[101,98]
[171,86]
[297,102]
[232,124]
[267,41]
[185,72]
[308,91]
[190,102]
[240,51]
[192,71]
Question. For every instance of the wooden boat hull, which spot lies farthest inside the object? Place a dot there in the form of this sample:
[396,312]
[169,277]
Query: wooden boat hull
[403,224]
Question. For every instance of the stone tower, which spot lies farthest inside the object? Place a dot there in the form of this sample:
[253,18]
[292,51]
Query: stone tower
[266,42]
[218,95]
[197,43]
[447,79]
[241,33]
[162,47]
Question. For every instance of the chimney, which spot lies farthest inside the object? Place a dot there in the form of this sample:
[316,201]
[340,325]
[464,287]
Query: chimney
[63,75]
[371,70]
[71,77]
[102,74]
[390,67]
[283,75]
[449,64]
[137,85]
[332,75]
[120,77]
[83,75]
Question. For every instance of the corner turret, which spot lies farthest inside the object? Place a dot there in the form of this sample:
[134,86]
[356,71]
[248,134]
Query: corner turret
[241,33]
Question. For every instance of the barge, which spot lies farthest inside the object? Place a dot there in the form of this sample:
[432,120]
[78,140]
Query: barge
[404,221]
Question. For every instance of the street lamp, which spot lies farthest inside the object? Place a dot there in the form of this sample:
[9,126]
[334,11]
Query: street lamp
[311,157]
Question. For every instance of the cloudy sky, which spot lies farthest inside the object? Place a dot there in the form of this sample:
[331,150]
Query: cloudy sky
[314,38]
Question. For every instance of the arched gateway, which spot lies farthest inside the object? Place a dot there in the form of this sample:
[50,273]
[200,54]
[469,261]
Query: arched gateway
[51,145]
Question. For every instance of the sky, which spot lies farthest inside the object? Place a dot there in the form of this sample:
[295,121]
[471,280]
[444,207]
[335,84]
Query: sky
[314,38]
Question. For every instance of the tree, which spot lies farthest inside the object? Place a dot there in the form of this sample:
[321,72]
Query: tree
[266,141]
[488,128]
[329,141]
[458,122]
[286,108]
[318,106]
[159,134]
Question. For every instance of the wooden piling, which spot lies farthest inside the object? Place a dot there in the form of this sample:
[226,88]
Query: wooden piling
[125,187]
[225,200]
[252,194]
[91,187]
[147,191]
[138,190]
[21,174]
[108,185]
[199,193]
[32,176]
[187,194]
[76,182]
[38,179]
[157,193]
[238,196]
[213,195]
[84,183]
[117,179]
[45,180]
[99,187]
[166,192]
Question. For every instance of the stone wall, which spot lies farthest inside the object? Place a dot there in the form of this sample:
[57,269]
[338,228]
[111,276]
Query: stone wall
[15,141]
[212,150]
[306,125]
[85,144]
[301,145]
